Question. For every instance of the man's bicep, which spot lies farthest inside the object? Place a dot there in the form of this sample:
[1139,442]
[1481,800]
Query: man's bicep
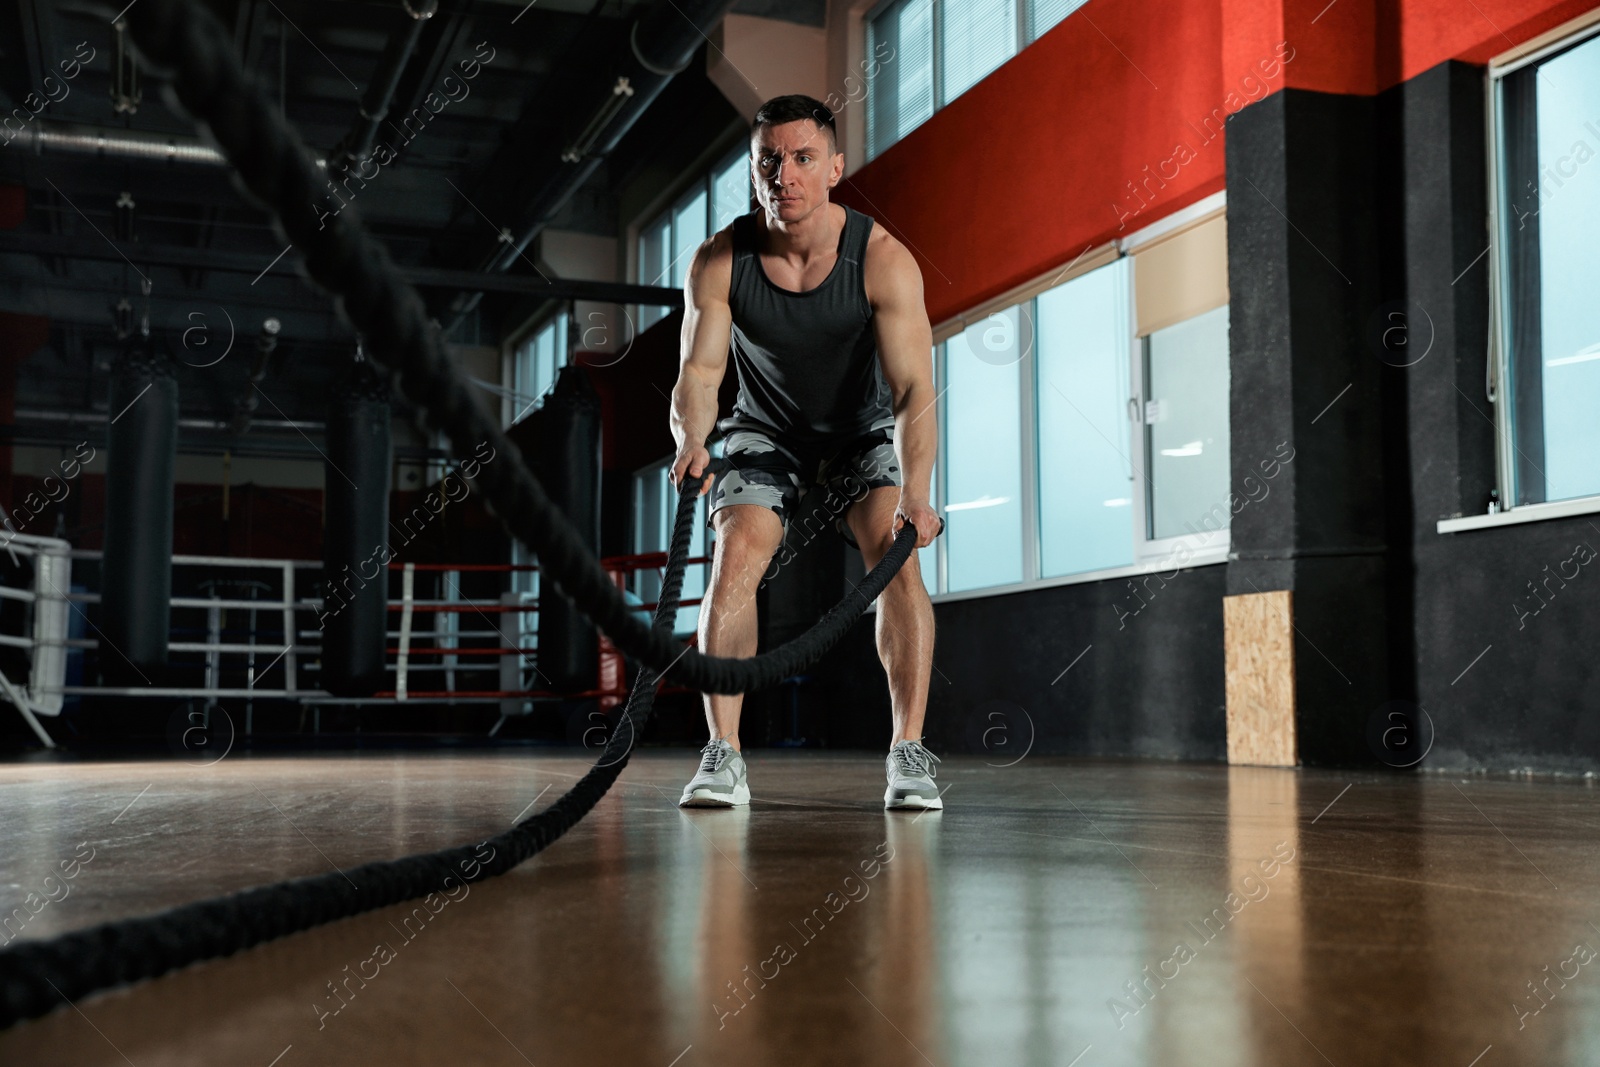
[707,318]
[707,329]
[905,337]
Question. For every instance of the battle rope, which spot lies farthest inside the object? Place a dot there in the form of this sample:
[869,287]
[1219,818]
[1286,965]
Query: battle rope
[36,976]
[276,169]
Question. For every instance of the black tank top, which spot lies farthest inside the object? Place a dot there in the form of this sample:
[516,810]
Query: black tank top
[807,362]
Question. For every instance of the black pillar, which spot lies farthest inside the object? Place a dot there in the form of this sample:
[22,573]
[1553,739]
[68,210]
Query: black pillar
[1441,432]
[1305,271]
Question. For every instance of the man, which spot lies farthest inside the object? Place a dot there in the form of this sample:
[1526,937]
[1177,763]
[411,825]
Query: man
[822,310]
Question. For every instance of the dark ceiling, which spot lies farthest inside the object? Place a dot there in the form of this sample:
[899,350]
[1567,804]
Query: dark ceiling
[212,260]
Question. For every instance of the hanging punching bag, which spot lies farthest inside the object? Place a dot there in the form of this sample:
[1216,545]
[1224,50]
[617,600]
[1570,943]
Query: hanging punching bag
[569,436]
[355,547]
[136,582]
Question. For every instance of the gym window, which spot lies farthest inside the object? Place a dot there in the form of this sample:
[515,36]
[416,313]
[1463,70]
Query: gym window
[1185,431]
[534,362]
[668,240]
[922,54]
[1547,223]
[1084,429]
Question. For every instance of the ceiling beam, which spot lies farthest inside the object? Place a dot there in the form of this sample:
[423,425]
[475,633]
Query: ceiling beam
[256,264]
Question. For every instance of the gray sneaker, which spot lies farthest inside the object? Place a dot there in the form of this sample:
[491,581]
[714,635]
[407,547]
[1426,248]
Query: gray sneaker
[911,773]
[721,780]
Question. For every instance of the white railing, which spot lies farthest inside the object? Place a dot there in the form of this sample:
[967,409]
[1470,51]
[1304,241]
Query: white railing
[286,650]
[45,623]
[270,657]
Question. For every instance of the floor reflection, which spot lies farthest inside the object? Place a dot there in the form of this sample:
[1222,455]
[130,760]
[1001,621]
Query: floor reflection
[847,929]
[1056,914]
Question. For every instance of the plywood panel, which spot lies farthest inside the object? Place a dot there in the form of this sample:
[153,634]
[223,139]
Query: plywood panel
[1258,643]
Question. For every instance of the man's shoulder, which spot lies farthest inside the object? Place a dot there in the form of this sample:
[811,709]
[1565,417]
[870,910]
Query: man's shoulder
[711,268]
[886,257]
[720,244]
[883,245]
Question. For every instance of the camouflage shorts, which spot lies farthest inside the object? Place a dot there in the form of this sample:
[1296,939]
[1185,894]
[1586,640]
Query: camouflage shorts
[774,475]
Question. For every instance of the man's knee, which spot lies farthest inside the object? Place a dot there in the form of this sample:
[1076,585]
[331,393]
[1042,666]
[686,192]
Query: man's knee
[746,543]
[909,576]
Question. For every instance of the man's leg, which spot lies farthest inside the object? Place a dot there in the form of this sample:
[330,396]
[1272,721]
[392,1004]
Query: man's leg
[905,614]
[747,537]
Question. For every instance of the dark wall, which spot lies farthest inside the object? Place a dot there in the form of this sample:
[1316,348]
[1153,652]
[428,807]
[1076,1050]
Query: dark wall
[1500,593]
[1356,256]
[1509,683]
[1146,684]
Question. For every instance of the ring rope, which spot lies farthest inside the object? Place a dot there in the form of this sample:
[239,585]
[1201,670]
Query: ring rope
[273,164]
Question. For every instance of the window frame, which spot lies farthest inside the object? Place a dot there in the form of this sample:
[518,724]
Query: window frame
[1499,383]
[1149,554]
[666,207]
[1020,40]
[1148,549]
[511,401]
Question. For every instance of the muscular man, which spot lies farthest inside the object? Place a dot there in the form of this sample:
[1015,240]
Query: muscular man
[822,310]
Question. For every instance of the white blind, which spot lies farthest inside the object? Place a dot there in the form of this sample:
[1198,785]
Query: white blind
[976,37]
[901,97]
[1043,14]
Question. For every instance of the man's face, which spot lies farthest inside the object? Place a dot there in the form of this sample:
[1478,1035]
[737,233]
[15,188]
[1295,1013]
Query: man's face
[794,165]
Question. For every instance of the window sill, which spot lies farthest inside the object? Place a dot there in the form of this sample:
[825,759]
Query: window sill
[1207,558]
[1560,509]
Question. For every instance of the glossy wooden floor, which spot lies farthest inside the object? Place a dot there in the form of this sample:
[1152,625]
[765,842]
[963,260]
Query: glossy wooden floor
[1056,913]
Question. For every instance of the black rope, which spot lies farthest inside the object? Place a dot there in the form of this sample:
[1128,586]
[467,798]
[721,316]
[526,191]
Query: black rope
[36,976]
[276,170]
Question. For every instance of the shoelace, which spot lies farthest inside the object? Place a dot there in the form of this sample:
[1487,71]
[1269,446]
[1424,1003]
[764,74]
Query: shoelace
[914,760]
[713,755]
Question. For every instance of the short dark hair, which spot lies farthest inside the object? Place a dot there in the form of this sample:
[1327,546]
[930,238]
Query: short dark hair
[793,108]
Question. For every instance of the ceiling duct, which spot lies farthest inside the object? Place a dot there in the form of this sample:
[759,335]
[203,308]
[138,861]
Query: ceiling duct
[662,43]
[110,143]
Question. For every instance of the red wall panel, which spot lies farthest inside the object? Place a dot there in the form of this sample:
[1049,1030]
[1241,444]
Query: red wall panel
[1034,164]
[1108,122]
[1432,31]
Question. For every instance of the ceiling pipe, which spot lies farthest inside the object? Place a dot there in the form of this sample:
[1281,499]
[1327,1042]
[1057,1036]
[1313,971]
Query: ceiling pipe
[109,143]
[661,44]
[357,144]
[212,259]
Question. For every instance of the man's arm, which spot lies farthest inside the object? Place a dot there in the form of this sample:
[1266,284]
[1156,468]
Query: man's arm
[707,326]
[905,353]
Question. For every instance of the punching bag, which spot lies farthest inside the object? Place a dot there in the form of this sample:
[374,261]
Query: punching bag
[355,546]
[569,438]
[136,583]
